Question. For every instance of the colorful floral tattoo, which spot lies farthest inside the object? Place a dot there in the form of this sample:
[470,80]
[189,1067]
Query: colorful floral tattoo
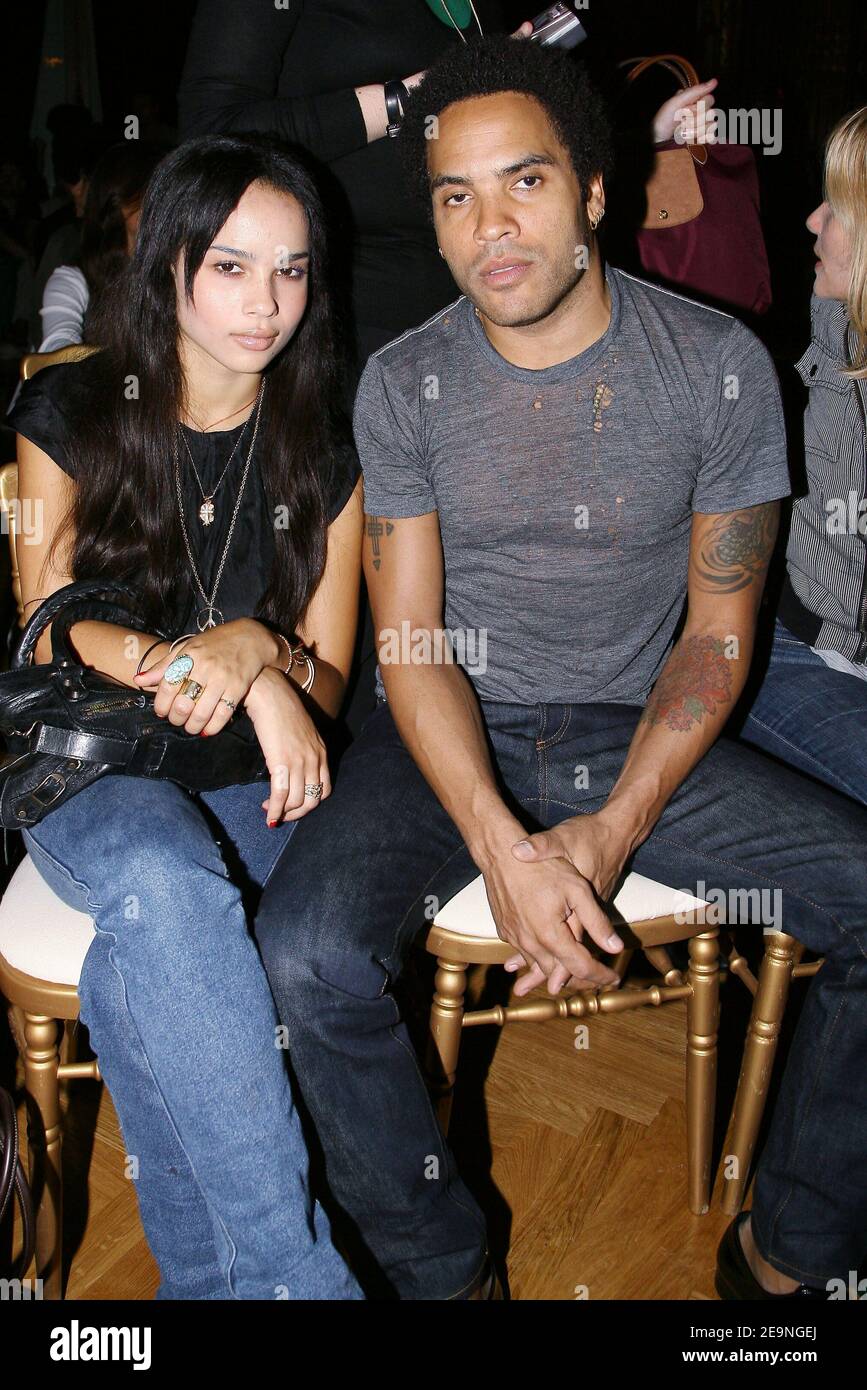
[696,681]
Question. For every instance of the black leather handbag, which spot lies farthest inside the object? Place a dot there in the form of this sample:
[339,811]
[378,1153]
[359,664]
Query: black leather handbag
[65,724]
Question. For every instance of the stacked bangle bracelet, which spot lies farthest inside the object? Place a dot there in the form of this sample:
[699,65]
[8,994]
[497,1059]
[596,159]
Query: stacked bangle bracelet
[138,669]
[298,657]
[172,646]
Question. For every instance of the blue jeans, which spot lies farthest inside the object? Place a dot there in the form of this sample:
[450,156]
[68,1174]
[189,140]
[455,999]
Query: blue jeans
[332,945]
[811,716]
[183,1023]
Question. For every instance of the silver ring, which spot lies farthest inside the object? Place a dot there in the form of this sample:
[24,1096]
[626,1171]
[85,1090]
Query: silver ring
[314,790]
[178,670]
[226,701]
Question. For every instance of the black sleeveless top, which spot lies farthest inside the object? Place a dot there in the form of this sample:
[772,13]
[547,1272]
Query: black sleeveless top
[44,414]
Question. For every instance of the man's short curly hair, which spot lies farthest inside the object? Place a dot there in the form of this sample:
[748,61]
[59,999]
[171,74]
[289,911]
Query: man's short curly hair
[574,107]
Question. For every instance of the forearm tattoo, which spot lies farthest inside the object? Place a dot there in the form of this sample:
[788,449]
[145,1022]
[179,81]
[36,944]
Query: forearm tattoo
[696,681]
[736,549]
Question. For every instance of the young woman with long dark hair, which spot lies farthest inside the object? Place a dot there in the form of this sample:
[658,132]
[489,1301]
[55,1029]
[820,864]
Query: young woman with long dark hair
[201,456]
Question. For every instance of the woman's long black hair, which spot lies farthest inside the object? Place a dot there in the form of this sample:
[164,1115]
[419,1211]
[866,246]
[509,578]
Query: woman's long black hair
[124,512]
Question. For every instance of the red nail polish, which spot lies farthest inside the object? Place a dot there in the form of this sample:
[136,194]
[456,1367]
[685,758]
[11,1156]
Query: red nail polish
[271,823]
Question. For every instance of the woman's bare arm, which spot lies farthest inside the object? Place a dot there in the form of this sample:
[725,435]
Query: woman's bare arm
[332,616]
[47,491]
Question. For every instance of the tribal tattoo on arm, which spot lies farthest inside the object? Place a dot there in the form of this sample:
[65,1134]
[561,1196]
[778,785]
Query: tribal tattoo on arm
[375,529]
[736,549]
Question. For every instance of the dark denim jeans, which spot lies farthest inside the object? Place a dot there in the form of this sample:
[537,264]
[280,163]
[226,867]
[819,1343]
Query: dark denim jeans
[811,716]
[348,896]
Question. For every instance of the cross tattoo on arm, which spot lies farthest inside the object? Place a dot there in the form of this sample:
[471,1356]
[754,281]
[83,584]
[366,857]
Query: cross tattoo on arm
[376,528]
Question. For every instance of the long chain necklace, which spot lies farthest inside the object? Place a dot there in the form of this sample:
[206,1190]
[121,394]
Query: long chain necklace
[205,617]
[206,510]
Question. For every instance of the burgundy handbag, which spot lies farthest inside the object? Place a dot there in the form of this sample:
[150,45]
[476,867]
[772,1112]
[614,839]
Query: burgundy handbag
[702,229]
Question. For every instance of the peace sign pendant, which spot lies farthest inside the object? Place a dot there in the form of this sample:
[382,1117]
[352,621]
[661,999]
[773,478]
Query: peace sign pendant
[209,620]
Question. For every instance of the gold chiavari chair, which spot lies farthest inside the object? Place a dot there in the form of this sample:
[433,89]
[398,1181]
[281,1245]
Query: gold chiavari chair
[649,917]
[781,963]
[33,362]
[43,943]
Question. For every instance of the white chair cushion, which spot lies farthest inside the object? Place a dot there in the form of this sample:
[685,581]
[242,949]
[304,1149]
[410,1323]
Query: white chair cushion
[640,899]
[42,936]
[39,933]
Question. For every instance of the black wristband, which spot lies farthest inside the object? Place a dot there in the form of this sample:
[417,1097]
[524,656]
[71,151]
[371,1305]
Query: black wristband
[396,97]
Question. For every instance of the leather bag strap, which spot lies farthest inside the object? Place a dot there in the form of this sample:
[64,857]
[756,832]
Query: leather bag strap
[674,62]
[90,748]
[82,597]
[682,69]
[12,1179]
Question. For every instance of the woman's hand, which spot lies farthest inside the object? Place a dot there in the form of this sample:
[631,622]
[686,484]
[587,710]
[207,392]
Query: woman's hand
[294,752]
[226,660]
[686,113]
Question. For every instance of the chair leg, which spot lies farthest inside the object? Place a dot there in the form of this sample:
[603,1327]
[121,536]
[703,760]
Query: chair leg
[757,1066]
[661,960]
[620,962]
[41,1059]
[701,1064]
[446,1023]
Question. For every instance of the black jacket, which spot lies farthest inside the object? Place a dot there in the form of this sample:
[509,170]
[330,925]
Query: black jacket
[293,71]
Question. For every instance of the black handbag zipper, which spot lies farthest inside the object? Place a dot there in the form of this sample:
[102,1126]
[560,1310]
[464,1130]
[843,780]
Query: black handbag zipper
[107,706]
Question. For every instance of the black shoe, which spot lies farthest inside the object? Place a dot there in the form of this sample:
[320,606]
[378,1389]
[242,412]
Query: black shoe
[490,1288]
[735,1279]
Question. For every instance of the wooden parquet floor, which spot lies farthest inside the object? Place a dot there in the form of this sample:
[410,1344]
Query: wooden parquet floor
[577,1155]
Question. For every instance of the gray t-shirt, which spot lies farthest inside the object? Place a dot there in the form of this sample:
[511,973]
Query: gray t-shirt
[565,495]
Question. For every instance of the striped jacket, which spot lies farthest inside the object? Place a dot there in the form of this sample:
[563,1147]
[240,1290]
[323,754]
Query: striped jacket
[824,598]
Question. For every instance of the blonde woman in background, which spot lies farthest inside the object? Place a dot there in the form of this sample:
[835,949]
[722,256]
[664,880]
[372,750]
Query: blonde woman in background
[811,708]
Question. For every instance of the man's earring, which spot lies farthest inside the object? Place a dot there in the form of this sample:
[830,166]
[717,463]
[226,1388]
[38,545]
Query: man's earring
[594,224]
[442,252]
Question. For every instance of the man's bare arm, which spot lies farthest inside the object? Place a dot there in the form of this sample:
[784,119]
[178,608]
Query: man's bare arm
[437,714]
[433,705]
[688,707]
[706,669]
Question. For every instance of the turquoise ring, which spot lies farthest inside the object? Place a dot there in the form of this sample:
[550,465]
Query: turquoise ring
[178,670]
